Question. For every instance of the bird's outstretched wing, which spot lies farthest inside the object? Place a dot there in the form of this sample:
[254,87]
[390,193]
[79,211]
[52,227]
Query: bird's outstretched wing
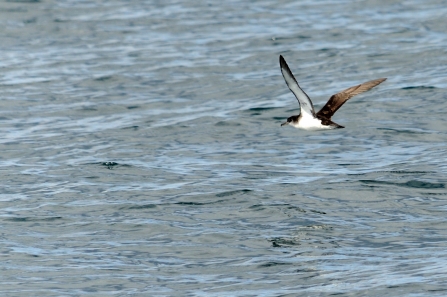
[304,100]
[337,100]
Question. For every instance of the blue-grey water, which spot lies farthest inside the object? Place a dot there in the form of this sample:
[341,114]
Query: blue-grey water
[142,153]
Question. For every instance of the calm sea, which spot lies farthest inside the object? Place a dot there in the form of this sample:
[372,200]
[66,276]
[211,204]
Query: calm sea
[142,153]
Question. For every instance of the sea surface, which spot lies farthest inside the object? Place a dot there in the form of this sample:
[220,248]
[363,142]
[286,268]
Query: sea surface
[142,153]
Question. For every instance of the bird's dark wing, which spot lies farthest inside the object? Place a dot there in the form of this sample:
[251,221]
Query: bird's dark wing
[337,100]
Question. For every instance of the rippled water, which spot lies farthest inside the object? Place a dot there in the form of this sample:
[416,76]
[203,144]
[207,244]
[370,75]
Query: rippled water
[142,153]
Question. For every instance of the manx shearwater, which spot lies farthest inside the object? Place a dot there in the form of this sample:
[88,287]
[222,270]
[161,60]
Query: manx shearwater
[308,119]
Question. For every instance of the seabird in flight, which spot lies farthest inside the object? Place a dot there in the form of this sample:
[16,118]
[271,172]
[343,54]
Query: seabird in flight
[308,119]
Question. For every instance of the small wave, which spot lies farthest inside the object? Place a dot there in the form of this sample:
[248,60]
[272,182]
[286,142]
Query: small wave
[419,87]
[409,184]
[231,193]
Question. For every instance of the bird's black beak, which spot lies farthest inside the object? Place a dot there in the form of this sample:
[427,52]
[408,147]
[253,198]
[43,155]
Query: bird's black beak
[285,123]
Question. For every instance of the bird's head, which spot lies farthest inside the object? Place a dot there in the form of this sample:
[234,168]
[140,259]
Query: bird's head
[290,120]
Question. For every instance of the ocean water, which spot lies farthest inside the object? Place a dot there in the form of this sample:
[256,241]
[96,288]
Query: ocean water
[142,153]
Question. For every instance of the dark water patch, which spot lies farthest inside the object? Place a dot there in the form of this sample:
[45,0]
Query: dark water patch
[317,211]
[419,88]
[424,185]
[89,109]
[255,111]
[30,21]
[112,165]
[288,38]
[260,109]
[436,194]
[437,290]
[190,203]
[133,107]
[407,131]
[329,52]
[134,128]
[104,78]
[272,264]
[32,219]
[394,172]
[109,165]
[301,36]
[407,172]
[142,206]
[283,242]
[299,209]
[231,193]
[409,184]
[257,207]
[260,207]
[23,1]
[252,174]
[226,124]
[375,55]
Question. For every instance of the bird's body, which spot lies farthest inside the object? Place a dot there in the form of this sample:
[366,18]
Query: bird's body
[308,123]
[308,119]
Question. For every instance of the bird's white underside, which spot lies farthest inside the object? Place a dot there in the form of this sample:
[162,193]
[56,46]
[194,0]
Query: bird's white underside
[308,122]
